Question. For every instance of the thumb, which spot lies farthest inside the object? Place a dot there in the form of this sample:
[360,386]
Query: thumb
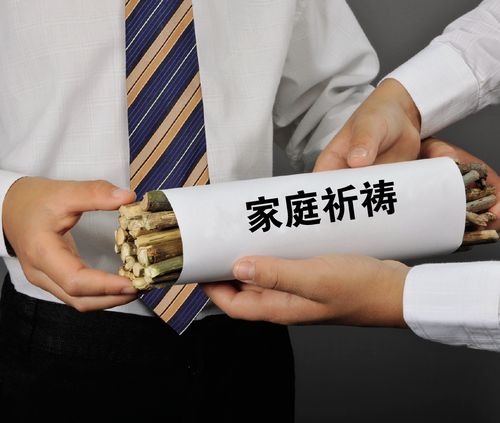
[95,195]
[298,277]
[367,136]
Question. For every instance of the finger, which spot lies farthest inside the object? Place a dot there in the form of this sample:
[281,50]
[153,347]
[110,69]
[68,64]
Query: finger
[304,278]
[334,156]
[57,261]
[268,305]
[432,148]
[94,195]
[368,134]
[83,304]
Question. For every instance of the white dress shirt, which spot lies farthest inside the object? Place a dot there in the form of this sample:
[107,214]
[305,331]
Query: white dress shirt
[456,75]
[289,71]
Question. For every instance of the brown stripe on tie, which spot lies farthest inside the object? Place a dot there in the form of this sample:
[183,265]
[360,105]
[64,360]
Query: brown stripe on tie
[203,178]
[157,52]
[195,175]
[130,6]
[177,303]
[168,299]
[167,123]
[160,148]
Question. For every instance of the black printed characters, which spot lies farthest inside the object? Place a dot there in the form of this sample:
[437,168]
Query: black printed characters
[380,196]
[303,208]
[263,214]
[343,198]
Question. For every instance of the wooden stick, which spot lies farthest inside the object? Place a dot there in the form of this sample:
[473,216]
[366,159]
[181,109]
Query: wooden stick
[480,237]
[155,253]
[129,263]
[127,249]
[125,273]
[473,194]
[122,236]
[155,201]
[471,177]
[482,204]
[160,220]
[157,237]
[141,231]
[131,211]
[141,284]
[135,224]
[170,265]
[480,219]
[481,168]
[123,222]
[138,269]
[170,277]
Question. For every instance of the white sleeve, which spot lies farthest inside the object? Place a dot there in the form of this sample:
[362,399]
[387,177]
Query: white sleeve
[7,178]
[326,76]
[455,303]
[459,72]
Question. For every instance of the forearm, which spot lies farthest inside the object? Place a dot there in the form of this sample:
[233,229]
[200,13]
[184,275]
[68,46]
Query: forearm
[455,303]
[457,74]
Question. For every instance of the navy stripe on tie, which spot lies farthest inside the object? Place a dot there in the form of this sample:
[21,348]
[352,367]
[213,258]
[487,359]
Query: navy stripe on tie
[144,25]
[160,94]
[188,311]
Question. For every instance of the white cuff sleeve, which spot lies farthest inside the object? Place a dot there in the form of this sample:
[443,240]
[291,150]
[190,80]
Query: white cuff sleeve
[7,178]
[441,84]
[455,303]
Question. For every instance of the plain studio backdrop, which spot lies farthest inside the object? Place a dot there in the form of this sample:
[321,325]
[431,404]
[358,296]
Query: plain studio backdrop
[354,374]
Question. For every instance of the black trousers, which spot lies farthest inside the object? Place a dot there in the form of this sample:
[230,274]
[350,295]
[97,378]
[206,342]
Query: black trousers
[59,363]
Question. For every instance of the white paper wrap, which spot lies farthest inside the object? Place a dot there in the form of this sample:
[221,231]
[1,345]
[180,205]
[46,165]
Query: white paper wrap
[428,217]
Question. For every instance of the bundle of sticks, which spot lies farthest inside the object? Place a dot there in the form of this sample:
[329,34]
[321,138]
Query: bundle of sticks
[149,241]
[480,198]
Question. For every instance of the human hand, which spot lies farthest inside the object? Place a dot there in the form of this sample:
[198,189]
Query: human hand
[37,216]
[337,289]
[436,148]
[384,129]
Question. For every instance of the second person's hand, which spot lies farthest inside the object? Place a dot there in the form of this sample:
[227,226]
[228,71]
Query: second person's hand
[339,289]
[384,129]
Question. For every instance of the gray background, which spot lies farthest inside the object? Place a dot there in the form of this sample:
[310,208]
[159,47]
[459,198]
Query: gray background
[356,375]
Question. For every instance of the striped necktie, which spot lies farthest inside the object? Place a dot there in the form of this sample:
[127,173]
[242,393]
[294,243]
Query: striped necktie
[165,122]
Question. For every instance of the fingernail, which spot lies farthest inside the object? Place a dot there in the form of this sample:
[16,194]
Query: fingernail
[129,290]
[358,153]
[120,192]
[245,271]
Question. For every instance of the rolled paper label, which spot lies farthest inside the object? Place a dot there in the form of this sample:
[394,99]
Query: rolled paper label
[394,211]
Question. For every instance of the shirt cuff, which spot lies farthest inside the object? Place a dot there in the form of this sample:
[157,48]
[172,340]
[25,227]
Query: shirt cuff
[441,84]
[7,178]
[455,303]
